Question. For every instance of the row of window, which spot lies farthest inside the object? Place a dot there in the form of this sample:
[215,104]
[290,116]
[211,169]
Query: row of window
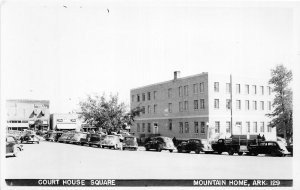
[199,88]
[239,104]
[185,128]
[249,128]
[17,121]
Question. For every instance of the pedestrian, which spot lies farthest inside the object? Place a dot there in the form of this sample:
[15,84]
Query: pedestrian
[263,138]
[174,141]
[258,138]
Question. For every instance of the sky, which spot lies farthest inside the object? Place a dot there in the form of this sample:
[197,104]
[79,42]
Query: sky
[63,50]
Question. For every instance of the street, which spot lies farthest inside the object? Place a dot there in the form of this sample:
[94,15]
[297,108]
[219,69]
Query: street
[60,161]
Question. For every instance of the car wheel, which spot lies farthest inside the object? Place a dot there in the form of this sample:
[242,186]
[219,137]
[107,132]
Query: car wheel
[273,153]
[197,151]
[147,148]
[90,145]
[240,153]
[171,151]
[159,149]
[38,142]
[180,150]
[219,152]
[230,152]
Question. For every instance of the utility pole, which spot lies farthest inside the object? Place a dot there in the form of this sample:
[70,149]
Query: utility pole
[231,104]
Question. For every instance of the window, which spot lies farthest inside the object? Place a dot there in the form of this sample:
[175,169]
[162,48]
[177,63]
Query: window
[138,97]
[228,88]
[195,88]
[155,108]
[228,127]
[201,87]
[247,104]
[228,104]
[248,126]
[170,93]
[186,90]
[154,95]
[180,91]
[143,129]
[196,129]
[254,89]
[216,104]
[202,106]
[247,91]
[149,95]
[143,109]
[149,109]
[238,104]
[180,127]
[180,106]
[186,105]
[217,126]
[202,127]
[132,98]
[269,128]
[216,86]
[262,90]
[138,127]
[196,106]
[238,124]
[269,105]
[255,127]
[149,127]
[254,105]
[238,88]
[170,124]
[269,90]
[143,97]
[170,107]
[186,127]
[262,127]
[262,105]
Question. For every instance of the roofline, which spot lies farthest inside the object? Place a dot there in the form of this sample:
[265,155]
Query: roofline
[178,79]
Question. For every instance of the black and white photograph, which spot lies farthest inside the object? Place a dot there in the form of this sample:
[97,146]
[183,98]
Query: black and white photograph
[149,94]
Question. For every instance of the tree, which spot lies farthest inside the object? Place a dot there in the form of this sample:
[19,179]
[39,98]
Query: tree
[282,115]
[129,117]
[102,113]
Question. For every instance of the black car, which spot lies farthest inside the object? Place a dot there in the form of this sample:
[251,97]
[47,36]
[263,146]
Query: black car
[30,137]
[274,148]
[53,136]
[95,139]
[160,143]
[196,145]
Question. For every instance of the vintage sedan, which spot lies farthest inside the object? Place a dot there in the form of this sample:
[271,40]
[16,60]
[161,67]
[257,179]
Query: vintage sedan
[12,146]
[130,142]
[273,148]
[76,139]
[63,137]
[30,137]
[195,145]
[96,139]
[53,136]
[160,143]
[111,141]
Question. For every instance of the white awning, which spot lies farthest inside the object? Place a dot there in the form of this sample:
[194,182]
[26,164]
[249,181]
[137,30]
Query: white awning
[66,126]
[24,125]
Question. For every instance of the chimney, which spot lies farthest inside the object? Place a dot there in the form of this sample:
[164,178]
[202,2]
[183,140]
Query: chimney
[176,74]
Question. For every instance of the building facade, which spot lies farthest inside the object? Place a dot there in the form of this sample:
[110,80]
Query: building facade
[204,106]
[27,114]
[64,121]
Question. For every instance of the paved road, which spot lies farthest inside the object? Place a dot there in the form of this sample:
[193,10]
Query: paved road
[56,160]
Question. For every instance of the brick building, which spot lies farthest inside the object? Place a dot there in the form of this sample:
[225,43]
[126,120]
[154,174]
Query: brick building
[204,106]
[27,114]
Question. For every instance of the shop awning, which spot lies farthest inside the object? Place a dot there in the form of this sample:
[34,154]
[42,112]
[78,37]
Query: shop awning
[66,126]
[24,125]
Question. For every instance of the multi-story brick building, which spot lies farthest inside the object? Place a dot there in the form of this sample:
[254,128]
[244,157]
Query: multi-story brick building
[204,106]
[24,114]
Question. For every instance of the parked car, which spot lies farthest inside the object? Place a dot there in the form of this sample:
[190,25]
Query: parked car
[76,139]
[130,142]
[120,137]
[290,148]
[160,143]
[63,137]
[53,136]
[274,148]
[29,137]
[111,141]
[96,139]
[69,137]
[12,146]
[196,145]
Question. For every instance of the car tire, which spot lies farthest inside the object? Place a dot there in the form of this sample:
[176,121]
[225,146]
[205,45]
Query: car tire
[240,153]
[159,149]
[147,148]
[219,152]
[171,151]
[180,150]
[197,151]
[230,152]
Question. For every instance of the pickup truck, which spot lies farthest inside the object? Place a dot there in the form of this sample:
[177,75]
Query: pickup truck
[236,144]
[273,148]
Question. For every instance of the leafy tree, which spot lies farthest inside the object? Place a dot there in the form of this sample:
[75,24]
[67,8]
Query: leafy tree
[282,115]
[129,117]
[101,112]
